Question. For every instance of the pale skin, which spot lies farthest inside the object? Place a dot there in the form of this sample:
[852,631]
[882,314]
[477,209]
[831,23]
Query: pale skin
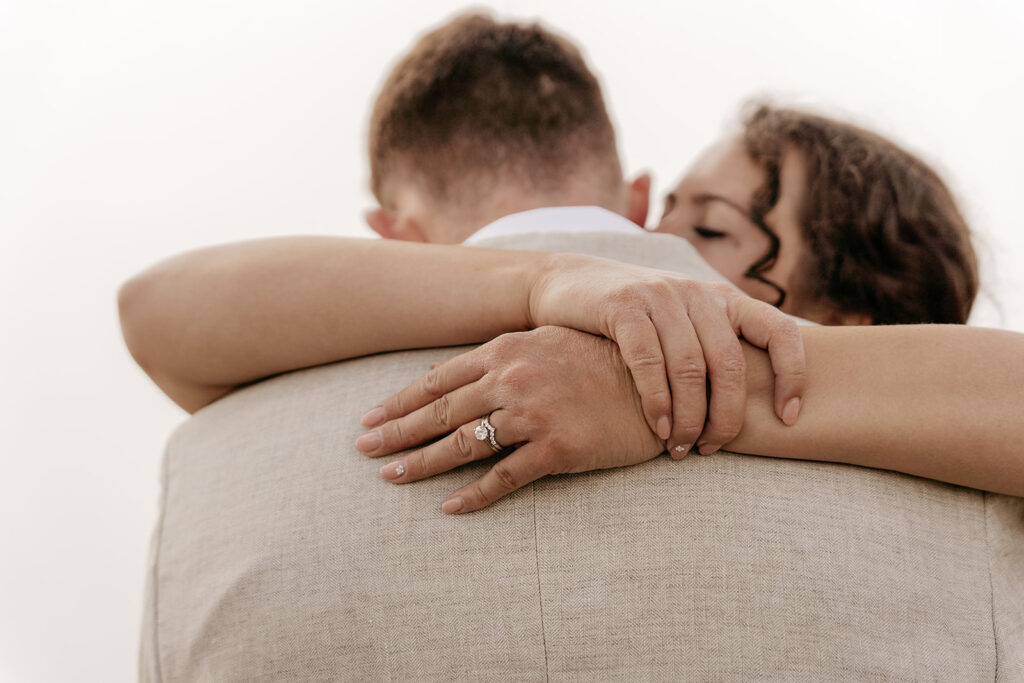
[203,323]
[936,401]
[207,322]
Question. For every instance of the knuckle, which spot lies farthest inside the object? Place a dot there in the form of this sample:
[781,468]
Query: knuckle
[644,355]
[417,465]
[781,325]
[689,371]
[546,460]
[688,431]
[432,383]
[463,446]
[442,411]
[393,434]
[730,371]
[663,289]
[790,336]
[501,345]
[395,405]
[542,332]
[516,377]
[474,497]
[722,292]
[505,479]
[626,296]
[797,373]
[545,337]
[657,400]
[532,417]
[688,286]
[730,431]
[725,427]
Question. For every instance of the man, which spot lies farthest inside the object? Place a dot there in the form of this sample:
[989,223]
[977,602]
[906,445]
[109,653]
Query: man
[281,555]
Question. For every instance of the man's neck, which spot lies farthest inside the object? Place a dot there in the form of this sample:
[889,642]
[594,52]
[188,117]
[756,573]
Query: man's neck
[453,227]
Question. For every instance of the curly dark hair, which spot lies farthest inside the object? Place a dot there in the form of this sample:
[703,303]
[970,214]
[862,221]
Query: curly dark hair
[883,234]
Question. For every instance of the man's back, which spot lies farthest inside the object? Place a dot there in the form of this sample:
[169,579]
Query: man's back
[282,555]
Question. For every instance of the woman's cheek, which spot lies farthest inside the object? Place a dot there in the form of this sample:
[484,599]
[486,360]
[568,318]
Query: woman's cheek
[721,258]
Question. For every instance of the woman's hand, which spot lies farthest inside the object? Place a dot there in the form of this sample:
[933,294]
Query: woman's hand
[678,337]
[564,397]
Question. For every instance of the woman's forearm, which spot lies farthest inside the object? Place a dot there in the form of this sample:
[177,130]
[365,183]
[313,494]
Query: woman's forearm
[204,322]
[942,402]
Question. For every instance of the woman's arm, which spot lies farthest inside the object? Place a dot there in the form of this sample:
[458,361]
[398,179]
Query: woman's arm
[208,321]
[944,402]
[941,402]
[204,322]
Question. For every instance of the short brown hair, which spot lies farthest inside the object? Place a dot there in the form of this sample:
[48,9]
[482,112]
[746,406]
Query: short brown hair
[477,98]
[882,232]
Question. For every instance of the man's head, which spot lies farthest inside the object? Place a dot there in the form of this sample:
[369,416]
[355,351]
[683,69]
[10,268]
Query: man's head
[482,119]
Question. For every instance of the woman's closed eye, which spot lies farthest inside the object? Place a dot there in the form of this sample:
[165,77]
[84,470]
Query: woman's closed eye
[708,233]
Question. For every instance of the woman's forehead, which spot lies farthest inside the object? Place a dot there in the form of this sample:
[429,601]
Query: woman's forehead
[724,169]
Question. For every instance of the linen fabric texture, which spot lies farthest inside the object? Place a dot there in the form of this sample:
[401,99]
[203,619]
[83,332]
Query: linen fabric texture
[281,555]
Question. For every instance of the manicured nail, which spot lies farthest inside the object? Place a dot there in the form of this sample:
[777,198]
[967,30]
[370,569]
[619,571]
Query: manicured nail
[369,442]
[664,427]
[374,416]
[791,411]
[680,451]
[707,449]
[393,470]
[452,505]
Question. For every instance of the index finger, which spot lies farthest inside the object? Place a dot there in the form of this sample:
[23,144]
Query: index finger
[767,327]
[438,381]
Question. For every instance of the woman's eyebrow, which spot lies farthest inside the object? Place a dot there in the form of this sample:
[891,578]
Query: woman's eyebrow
[708,197]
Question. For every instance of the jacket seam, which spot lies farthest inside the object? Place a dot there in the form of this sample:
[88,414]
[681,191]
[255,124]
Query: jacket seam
[155,571]
[991,585]
[540,596]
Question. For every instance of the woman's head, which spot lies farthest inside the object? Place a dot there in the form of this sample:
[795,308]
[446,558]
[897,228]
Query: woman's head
[830,221]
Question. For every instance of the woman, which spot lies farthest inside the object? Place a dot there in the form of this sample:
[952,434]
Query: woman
[448,295]
[828,221]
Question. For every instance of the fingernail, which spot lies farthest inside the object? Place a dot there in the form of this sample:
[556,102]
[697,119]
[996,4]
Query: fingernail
[369,442]
[791,411]
[452,505]
[680,451]
[708,449]
[393,470]
[374,417]
[664,427]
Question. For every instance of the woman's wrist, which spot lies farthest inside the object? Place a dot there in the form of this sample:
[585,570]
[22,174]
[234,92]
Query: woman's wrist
[546,273]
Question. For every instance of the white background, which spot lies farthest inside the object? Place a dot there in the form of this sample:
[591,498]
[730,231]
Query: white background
[133,130]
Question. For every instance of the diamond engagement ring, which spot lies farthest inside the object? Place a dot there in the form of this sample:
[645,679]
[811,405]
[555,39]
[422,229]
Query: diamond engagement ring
[485,432]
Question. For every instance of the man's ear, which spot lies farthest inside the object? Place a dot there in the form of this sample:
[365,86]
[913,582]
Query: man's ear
[387,225]
[382,222]
[638,199]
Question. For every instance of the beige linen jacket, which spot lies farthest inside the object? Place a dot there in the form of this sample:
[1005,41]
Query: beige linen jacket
[281,555]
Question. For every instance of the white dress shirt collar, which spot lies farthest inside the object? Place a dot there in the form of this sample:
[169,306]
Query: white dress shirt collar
[556,219]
